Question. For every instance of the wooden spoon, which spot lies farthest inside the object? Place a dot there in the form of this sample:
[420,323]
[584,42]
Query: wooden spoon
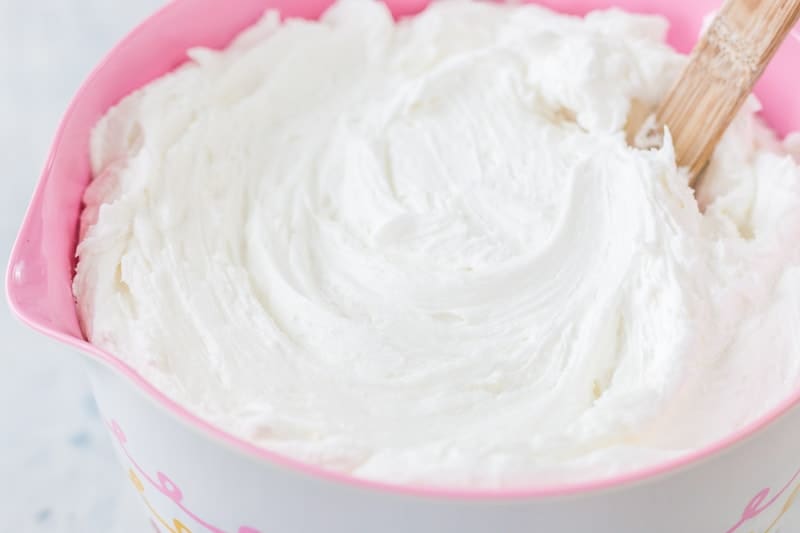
[721,72]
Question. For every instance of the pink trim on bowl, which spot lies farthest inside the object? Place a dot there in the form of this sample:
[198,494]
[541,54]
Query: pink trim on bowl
[18,300]
[542,491]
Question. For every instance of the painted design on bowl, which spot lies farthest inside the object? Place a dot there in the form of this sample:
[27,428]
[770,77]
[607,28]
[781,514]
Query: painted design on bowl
[163,484]
[757,504]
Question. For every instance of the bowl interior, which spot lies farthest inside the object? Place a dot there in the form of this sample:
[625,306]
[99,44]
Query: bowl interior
[43,259]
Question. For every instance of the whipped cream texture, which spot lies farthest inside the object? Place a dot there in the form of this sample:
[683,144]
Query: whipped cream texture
[423,251]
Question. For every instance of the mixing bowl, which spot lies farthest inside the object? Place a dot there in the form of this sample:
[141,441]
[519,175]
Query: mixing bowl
[193,477]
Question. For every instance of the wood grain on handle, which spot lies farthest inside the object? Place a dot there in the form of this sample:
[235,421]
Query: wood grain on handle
[720,74]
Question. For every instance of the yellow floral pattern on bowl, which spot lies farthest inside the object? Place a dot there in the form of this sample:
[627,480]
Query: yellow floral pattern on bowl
[162,484]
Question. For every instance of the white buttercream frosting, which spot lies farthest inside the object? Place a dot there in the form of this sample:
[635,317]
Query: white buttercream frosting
[424,252]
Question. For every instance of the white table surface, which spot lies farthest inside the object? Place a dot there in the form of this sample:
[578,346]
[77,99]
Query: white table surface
[56,464]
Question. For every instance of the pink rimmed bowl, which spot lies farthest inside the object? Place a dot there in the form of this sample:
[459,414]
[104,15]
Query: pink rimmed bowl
[193,477]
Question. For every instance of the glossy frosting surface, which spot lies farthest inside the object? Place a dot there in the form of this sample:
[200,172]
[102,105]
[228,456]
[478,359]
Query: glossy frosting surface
[424,251]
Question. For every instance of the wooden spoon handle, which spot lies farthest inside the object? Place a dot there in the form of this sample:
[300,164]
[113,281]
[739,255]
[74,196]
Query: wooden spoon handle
[721,72]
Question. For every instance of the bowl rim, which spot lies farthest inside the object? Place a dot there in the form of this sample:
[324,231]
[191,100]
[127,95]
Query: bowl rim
[651,473]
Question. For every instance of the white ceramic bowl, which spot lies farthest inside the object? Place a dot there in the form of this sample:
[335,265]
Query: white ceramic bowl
[193,477]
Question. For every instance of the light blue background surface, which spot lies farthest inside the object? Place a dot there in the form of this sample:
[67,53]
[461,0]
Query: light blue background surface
[57,470]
